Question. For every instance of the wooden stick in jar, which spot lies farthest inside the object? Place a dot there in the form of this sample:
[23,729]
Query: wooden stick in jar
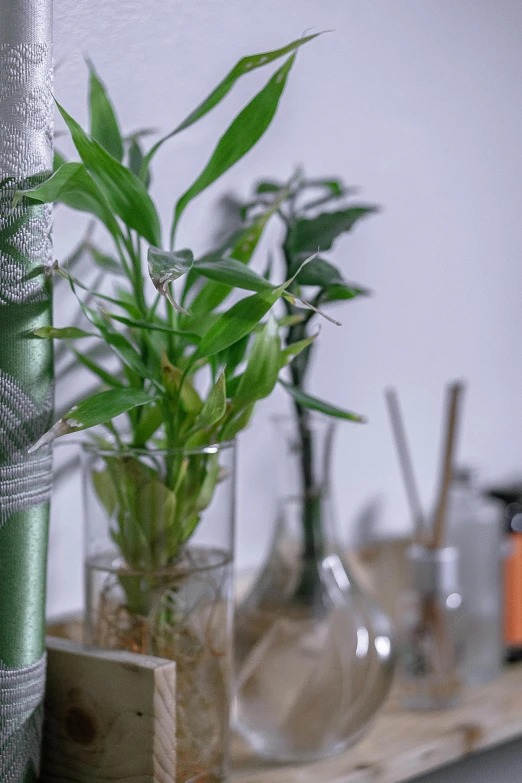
[452,417]
[408,475]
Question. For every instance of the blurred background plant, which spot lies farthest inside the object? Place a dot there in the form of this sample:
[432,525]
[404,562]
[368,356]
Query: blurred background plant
[314,213]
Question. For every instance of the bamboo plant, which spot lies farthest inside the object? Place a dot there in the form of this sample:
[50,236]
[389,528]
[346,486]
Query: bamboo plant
[192,367]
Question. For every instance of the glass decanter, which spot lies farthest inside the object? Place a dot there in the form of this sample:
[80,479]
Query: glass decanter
[314,654]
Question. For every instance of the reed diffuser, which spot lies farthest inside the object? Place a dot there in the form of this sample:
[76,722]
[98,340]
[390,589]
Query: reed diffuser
[432,637]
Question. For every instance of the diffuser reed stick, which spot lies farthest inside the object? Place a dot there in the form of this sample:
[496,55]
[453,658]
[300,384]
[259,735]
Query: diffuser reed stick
[430,665]
[408,475]
[443,652]
[454,396]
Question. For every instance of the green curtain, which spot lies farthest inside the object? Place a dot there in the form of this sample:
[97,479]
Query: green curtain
[26,392]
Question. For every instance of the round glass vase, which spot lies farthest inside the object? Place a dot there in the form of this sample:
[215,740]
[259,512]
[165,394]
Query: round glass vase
[313,653]
[159,549]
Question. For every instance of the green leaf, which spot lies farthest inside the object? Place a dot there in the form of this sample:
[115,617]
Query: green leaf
[104,124]
[267,187]
[294,349]
[242,249]
[119,344]
[341,291]
[175,383]
[106,490]
[237,423]
[153,326]
[244,66]
[214,407]
[243,317]
[98,409]
[232,273]
[156,509]
[126,304]
[209,483]
[124,349]
[234,355]
[109,378]
[297,302]
[282,288]
[318,272]
[166,266]
[126,193]
[334,186]
[319,233]
[73,185]
[235,323]
[239,138]
[332,190]
[200,323]
[58,160]
[66,333]
[135,160]
[233,384]
[108,263]
[313,403]
[150,421]
[105,406]
[291,320]
[262,368]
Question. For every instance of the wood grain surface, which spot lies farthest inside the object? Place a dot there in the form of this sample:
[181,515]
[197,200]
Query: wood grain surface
[109,716]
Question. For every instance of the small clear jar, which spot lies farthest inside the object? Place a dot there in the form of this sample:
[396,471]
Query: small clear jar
[474,526]
[433,631]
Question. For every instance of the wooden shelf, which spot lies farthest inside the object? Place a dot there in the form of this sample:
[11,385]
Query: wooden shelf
[402,745]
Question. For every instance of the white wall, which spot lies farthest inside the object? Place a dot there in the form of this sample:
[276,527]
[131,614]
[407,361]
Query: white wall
[419,103]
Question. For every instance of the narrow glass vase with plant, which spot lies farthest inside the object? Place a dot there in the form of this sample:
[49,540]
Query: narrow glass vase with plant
[313,652]
[159,483]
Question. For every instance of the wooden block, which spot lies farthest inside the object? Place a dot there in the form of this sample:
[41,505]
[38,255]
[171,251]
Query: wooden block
[109,716]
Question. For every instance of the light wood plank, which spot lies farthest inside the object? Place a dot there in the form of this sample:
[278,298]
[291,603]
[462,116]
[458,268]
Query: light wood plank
[109,716]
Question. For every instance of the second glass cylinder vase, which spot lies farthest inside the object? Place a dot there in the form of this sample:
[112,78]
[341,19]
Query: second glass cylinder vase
[159,580]
[314,655]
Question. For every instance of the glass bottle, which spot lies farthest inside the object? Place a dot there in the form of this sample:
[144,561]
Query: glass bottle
[148,594]
[314,655]
[510,496]
[433,631]
[474,526]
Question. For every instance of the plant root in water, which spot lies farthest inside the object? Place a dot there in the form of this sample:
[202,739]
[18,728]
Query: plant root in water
[196,638]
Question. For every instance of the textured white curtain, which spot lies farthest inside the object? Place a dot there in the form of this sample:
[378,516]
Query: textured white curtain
[26,388]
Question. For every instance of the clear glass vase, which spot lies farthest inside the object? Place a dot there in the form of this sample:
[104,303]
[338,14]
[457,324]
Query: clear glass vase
[314,654]
[159,544]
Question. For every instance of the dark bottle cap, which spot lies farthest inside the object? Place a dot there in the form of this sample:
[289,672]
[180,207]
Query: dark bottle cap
[511,496]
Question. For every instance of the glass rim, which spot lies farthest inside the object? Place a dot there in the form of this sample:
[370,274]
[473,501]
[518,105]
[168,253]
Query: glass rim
[126,451]
[177,569]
